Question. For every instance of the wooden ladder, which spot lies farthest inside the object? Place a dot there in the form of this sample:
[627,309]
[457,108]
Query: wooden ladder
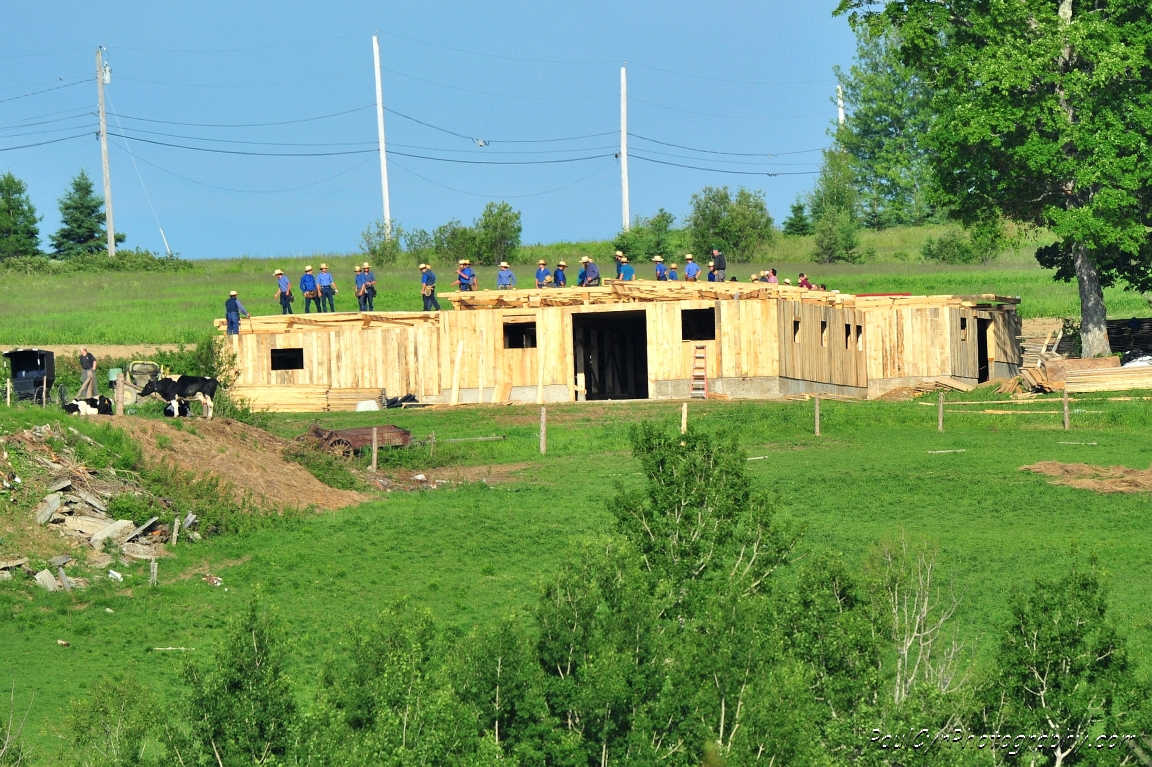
[699,385]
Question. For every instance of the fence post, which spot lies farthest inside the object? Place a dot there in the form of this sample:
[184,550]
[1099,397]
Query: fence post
[153,573]
[684,418]
[8,392]
[940,413]
[1067,423]
[375,446]
[176,530]
[817,414]
[119,394]
[543,430]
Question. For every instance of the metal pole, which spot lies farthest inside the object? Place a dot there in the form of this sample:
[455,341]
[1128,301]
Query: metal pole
[375,446]
[103,75]
[624,144]
[380,136]
[817,415]
[543,430]
[940,413]
[1067,423]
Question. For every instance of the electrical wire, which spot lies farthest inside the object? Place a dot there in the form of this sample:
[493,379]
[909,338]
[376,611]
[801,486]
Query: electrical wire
[250,125]
[725,170]
[697,158]
[136,167]
[43,143]
[255,143]
[501,162]
[26,124]
[496,95]
[49,130]
[46,90]
[496,55]
[239,50]
[475,140]
[244,85]
[244,153]
[721,117]
[737,82]
[714,151]
[502,196]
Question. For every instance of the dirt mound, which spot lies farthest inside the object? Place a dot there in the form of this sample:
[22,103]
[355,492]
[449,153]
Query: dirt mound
[1102,479]
[249,459]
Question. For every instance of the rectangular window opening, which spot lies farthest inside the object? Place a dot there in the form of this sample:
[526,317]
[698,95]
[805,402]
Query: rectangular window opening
[698,325]
[287,359]
[823,332]
[520,335]
[795,331]
[859,338]
[847,336]
[963,328]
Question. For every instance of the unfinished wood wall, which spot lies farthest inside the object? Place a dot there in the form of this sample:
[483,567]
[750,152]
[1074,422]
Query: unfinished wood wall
[748,339]
[822,344]
[963,347]
[1006,326]
[910,342]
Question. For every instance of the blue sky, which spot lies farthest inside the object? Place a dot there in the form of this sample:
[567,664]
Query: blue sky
[738,77]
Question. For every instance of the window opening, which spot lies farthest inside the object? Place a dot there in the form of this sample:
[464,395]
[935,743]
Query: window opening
[520,335]
[287,359]
[698,325]
[795,331]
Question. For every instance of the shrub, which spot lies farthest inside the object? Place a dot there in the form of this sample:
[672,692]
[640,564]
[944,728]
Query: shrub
[835,239]
[736,224]
[647,237]
[497,233]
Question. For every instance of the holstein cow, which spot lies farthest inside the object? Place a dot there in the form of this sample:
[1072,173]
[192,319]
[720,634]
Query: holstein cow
[91,406]
[184,388]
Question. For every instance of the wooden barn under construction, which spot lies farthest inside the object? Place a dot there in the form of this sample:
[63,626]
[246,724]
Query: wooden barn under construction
[628,340]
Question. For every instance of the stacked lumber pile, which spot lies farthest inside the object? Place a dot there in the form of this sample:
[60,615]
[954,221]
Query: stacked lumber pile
[1037,349]
[298,398]
[1130,335]
[345,400]
[286,323]
[1109,379]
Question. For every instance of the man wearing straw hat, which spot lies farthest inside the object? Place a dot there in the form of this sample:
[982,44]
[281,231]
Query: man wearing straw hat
[283,291]
[465,276]
[328,289]
[310,290]
[505,279]
[691,269]
[591,273]
[232,311]
[661,270]
[428,288]
[369,286]
[543,276]
[619,262]
[674,273]
[358,276]
[559,278]
[627,272]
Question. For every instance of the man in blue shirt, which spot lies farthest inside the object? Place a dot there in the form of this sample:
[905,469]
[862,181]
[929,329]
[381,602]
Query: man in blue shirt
[232,311]
[360,288]
[369,286]
[619,262]
[428,288]
[712,271]
[543,276]
[328,289]
[591,273]
[310,290]
[560,279]
[627,273]
[505,280]
[672,276]
[691,269]
[283,291]
[465,277]
[661,270]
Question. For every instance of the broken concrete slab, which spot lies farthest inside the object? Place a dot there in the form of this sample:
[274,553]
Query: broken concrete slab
[144,527]
[92,500]
[116,532]
[12,564]
[63,484]
[47,581]
[60,561]
[46,509]
[86,524]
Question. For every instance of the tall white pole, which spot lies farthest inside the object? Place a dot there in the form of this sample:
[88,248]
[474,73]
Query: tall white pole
[101,74]
[380,135]
[624,144]
[840,102]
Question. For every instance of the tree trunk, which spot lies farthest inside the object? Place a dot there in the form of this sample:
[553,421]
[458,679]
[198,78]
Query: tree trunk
[1093,315]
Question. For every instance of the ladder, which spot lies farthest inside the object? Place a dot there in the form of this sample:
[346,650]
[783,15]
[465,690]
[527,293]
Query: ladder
[699,386]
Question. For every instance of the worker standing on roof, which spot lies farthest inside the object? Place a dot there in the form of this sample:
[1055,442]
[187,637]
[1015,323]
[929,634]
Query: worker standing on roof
[232,311]
[712,271]
[283,291]
[591,273]
[661,270]
[627,272]
[559,278]
[619,262]
[428,288]
[359,277]
[328,289]
[691,269]
[673,275]
[543,276]
[465,275]
[721,262]
[369,286]
[505,279]
[310,290]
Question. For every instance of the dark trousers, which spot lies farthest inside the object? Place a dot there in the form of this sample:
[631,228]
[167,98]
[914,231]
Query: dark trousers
[308,304]
[363,301]
[430,302]
[285,303]
[370,299]
[327,297]
[233,323]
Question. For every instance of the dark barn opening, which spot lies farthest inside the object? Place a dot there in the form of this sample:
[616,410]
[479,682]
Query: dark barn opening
[288,359]
[698,325]
[982,327]
[611,350]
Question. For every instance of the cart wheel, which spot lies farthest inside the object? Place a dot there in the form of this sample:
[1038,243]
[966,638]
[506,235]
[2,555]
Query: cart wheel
[341,448]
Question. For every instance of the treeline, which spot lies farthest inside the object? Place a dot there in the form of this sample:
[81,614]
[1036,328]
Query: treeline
[81,242]
[697,632]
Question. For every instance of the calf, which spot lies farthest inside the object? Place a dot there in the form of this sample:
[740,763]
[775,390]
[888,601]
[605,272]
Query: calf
[176,409]
[91,406]
[184,388]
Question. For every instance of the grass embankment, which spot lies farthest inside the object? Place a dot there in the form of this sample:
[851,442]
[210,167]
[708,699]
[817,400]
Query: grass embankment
[472,553]
[158,308]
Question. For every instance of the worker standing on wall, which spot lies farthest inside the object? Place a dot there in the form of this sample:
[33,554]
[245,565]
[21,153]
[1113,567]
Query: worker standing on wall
[627,272]
[505,279]
[428,288]
[359,278]
[661,270]
[465,276]
[369,286]
[543,276]
[619,262]
[328,289]
[232,311]
[712,271]
[591,273]
[721,262]
[310,290]
[87,375]
[283,291]
[560,279]
[691,269]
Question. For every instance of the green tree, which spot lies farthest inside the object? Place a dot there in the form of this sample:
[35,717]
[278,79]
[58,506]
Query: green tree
[647,237]
[381,242]
[82,231]
[798,224]
[737,225]
[453,241]
[883,135]
[836,239]
[497,233]
[1041,117]
[19,225]
[835,188]
[113,725]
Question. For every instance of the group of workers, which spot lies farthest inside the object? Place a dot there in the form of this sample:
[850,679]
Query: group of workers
[320,289]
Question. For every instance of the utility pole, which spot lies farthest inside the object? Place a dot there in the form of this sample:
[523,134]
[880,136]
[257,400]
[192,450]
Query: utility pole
[624,144]
[840,102]
[380,135]
[103,77]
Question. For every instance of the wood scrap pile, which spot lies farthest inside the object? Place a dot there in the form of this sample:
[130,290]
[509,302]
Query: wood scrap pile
[1037,349]
[307,398]
[1109,379]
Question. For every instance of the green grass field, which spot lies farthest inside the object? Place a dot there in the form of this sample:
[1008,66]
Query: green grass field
[159,308]
[473,553]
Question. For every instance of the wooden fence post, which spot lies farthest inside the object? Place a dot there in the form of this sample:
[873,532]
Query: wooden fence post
[153,573]
[119,394]
[684,418]
[44,393]
[8,392]
[375,446]
[176,530]
[540,375]
[940,413]
[1067,423]
[817,414]
[543,430]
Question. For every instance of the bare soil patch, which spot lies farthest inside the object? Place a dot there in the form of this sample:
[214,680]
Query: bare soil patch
[250,460]
[1039,326]
[1101,479]
[405,479]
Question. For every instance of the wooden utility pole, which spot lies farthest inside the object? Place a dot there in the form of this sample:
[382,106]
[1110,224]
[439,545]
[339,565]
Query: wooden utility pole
[624,144]
[375,446]
[380,135]
[1067,422]
[543,430]
[817,415]
[940,413]
[103,77]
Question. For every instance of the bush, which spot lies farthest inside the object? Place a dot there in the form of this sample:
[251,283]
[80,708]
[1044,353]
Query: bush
[125,260]
[647,237]
[381,242]
[835,238]
[497,233]
[736,225]
[454,242]
[981,245]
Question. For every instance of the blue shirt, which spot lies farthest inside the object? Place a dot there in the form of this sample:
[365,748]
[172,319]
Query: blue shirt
[591,273]
[233,306]
[307,282]
[283,283]
[324,279]
[672,276]
[627,272]
[559,279]
[542,275]
[467,278]
[369,277]
[505,278]
[619,268]
[661,271]
[428,278]
[359,280]
[581,278]
[691,269]
[711,276]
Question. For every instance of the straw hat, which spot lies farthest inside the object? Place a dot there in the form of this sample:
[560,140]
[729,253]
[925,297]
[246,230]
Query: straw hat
[232,293]
[422,267]
[277,273]
[355,268]
[307,268]
[787,281]
[503,264]
[620,253]
[711,263]
[674,266]
[561,263]
[623,259]
[658,258]
[688,257]
[365,264]
[323,266]
[542,262]
[584,259]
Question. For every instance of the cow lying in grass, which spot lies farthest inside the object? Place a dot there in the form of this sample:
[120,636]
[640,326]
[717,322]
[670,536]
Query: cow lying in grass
[92,406]
[183,389]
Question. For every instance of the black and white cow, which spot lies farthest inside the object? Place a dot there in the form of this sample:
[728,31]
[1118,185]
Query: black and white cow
[184,388]
[92,406]
[177,409]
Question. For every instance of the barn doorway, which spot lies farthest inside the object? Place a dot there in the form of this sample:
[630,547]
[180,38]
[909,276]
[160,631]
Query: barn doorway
[982,327]
[611,350]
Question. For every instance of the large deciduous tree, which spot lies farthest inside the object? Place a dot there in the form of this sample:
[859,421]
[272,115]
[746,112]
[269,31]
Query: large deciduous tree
[736,224]
[19,225]
[1042,113]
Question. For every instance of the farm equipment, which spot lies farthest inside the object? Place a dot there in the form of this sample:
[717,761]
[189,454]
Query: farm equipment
[344,443]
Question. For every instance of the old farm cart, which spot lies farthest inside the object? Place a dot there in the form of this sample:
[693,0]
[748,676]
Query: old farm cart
[634,340]
[343,443]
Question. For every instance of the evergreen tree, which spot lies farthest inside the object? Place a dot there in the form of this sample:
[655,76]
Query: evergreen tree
[798,224]
[82,231]
[19,225]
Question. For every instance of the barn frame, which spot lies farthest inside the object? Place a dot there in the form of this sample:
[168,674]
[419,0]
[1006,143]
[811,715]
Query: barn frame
[627,340]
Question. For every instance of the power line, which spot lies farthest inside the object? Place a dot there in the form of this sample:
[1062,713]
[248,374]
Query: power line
[722,117]
[730,154]
[46,90]
[737,82]
[255,143]
[498,56]
[502,162]
[725,170]
[48,130]
[474,140]
[243,85]
[489,93]
[250,154]
[24,123]
[238,50]
[43,143]
[249,125]
[503,196]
